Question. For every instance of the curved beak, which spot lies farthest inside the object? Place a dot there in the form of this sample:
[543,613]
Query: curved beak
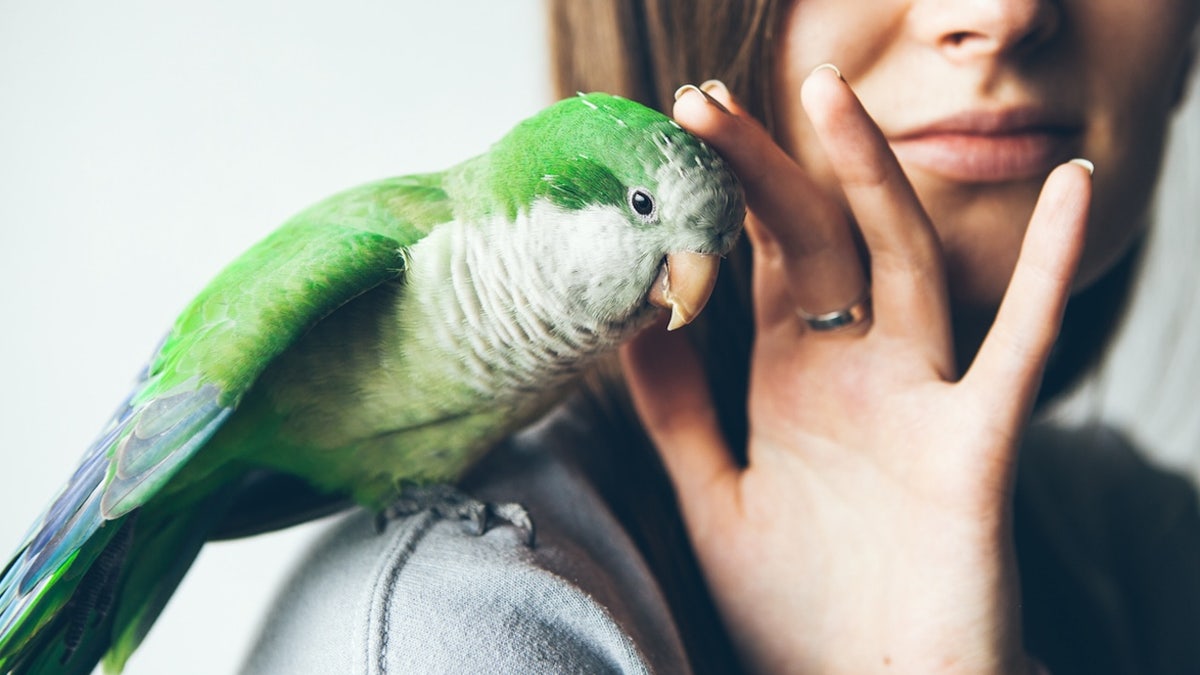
[684,285]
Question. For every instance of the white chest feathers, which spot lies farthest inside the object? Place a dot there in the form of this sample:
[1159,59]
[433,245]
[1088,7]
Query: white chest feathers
[509,307]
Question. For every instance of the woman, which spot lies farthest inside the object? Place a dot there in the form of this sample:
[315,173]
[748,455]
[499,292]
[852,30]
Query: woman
[843,430]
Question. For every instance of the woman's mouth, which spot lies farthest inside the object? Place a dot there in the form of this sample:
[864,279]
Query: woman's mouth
[989,147]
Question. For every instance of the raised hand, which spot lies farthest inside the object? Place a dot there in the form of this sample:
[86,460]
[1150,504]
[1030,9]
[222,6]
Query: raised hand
[870,529]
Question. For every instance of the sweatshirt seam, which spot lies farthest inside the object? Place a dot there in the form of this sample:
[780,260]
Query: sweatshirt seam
[396,557]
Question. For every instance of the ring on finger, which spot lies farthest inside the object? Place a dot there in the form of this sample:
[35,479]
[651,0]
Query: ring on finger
[852,315]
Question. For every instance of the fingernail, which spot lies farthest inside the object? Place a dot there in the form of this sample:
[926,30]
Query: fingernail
[685,89]
[828,66]
[1086,164]
[688,88]
[711,87]
[714,87]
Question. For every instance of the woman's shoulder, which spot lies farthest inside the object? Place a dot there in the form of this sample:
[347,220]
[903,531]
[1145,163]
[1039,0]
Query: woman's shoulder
[1109,551]
[1092,486]
[428,594]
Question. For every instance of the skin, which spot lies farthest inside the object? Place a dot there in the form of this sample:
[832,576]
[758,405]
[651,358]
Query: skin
[870,530]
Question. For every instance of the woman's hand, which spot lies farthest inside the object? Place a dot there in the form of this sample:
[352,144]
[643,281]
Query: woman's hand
[870,530]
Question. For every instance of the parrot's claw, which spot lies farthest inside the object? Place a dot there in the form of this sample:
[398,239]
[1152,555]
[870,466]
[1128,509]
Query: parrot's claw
[445,501]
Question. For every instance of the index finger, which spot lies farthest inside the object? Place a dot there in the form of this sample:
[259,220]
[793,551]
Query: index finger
[795,225]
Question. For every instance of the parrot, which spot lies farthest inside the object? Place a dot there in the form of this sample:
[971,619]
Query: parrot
[381,339]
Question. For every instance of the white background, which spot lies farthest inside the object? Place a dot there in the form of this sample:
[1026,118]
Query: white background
[143,147]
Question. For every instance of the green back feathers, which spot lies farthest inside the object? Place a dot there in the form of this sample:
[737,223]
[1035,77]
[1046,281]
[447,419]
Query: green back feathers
[578,152]
[323,256]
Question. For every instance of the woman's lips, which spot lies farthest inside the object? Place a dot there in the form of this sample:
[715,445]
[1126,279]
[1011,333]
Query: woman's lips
[986,147]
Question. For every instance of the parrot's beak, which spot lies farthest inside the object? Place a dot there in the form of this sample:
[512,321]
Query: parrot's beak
[684,285]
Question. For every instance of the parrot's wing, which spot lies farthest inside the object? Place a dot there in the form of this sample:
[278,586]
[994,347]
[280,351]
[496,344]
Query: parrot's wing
[224,340]
[216,350]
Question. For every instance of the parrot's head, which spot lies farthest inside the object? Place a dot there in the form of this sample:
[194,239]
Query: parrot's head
[637,211]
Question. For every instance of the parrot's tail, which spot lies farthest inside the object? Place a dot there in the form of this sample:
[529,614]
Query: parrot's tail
[105,600]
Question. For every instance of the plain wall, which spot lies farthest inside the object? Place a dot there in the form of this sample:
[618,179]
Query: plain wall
[143,145]
[1149,385]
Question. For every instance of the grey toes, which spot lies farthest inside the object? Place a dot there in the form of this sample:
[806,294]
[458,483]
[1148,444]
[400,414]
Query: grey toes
[447,502]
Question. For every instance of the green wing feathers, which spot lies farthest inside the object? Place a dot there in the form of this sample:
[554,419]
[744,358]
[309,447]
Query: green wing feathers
[322,258]
[218,347]
[257,307]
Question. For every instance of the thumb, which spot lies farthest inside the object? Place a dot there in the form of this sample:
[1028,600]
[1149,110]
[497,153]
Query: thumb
[666,381]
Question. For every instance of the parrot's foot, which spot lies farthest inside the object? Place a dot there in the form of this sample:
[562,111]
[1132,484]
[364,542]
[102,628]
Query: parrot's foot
[446,501]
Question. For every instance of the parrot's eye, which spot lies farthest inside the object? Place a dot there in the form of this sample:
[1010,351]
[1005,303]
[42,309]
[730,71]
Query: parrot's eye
[641,202]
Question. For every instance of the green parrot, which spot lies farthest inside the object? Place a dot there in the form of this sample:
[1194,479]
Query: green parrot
[383,338]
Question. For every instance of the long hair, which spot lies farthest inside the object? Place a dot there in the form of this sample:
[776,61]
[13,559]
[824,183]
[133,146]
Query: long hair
[643,50]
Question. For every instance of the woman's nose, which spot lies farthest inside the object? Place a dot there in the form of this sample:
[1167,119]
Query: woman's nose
[965,30]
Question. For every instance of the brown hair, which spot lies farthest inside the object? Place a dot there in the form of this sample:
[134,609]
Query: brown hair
[643,50]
